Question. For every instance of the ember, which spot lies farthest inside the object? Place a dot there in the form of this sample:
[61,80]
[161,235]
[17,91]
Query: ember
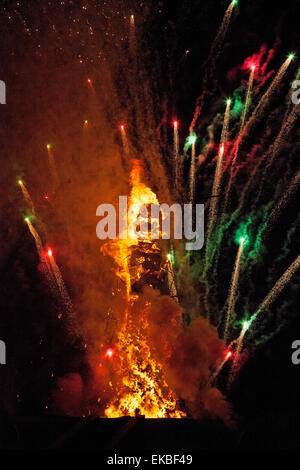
[144,388]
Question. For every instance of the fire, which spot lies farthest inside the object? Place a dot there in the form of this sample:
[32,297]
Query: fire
[143,387]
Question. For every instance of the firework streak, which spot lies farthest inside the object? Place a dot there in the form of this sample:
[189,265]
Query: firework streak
[220,367]
[124,141]
[218,175]
[237,355]
[39,246]
[244,115]
[53,170]
[193,169]
[215,52]
[176,153]
[171,280]
[265,100]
